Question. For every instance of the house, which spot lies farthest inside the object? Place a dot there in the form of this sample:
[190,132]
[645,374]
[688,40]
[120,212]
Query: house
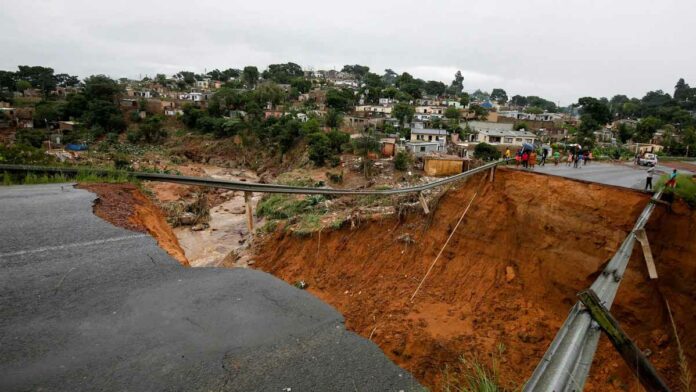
[642,148]
[421,148]
[129,103]
[374,109]
[173,111]
[195,97]
[388,146]
[444,165]
[144,94]
[203,84]
[302,117]
[429,135]
[67,126]
[386,101]
[499,134]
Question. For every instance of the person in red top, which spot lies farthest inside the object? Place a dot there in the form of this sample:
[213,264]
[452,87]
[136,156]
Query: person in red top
[525,159]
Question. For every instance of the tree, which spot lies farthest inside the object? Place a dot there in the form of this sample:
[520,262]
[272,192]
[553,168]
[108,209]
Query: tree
[22,85]
[319,148]
[519,100]
[39,77]
[403,112]
[646,128]
[362,146]
[499,95]
[359,71]
[151,130]
[464,99]
[250,76]
[625,132]
[434,87]
[401,160]
[479,111]
[101,87]
[301,84]
[389,77]
[187,77]
[521,125]
[333,118]
[486,152]
[453,114]
[282,73]
[342,100]
[457,85]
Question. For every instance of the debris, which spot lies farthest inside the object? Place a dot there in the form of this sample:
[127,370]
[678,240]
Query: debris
[301,284]
[406,238]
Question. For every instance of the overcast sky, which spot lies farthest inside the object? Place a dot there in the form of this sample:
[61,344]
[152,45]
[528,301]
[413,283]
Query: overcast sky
[558,49]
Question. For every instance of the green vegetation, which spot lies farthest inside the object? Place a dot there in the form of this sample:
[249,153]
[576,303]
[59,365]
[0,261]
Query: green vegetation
[83,176]
[685,189]
[472,375]
[486,152]
[402,161]
[278,206]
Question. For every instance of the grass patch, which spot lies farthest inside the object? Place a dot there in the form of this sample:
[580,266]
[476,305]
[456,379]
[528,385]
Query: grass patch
[53,178]
[308,224]
[473,375]
[278,206]
[685,189]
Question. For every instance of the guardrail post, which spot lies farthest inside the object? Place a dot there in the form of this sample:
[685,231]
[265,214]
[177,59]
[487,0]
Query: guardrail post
[424,204]
[249,215]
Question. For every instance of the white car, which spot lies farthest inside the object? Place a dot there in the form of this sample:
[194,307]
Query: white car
[648,160]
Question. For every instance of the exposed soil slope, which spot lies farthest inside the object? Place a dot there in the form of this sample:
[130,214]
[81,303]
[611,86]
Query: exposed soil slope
[125,206]
[509,275]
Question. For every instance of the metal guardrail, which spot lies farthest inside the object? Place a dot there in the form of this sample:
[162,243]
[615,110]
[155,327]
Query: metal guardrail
[250,186]
[567,361]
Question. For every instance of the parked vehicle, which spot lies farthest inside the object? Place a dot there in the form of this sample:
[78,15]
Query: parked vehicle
[648,160]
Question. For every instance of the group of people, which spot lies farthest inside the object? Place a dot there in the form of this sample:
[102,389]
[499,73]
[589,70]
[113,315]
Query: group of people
[528,157]
[671,181]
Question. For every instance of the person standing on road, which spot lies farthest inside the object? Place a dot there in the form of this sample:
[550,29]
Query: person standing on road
[648,180]
[525,159]
[532,159]
[672,182]
[570,159]
[544,154]
[518,158]
[590,157]
[584,157]
[576,159]
[556,157]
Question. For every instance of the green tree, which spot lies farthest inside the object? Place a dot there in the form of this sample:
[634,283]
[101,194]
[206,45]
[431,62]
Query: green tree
[333,118]
[434,87]
[301,84]
[359,71]
[646,128]
[519,100]
[457,85]
[453,114]
[625,132]
[499,95]
[319,148]
[283,73]
[342,100]
[486,152]
[152,130]
[22,85]
[250,76]
[403,112]
[402,160]
[464,99]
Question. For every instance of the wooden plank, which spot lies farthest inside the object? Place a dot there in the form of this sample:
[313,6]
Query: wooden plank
[249,214]
[424,204]
[647,252]
[634,358]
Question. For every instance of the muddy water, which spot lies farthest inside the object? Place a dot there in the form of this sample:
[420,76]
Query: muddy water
[228,230]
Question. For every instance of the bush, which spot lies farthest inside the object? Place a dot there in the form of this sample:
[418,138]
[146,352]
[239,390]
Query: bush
[685,189]
[23,155]
[30,137]
[486,152]
[402,161]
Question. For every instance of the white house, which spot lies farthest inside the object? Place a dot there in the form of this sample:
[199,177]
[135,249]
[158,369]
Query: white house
[438,136]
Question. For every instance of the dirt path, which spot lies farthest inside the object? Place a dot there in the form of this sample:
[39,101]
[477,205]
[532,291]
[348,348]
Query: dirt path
[509,276]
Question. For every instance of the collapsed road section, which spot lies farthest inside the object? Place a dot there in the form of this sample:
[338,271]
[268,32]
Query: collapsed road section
[85,305]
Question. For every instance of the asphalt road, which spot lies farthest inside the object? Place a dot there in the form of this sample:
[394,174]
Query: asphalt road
[623,175]
[85,305]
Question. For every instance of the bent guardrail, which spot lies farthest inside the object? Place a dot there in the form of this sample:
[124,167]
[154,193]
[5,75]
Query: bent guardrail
[254,187]
[567,362]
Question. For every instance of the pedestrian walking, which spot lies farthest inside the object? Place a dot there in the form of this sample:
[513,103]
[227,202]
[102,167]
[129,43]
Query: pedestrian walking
[518,159]
[648,180]
[556,158]
[570,159]
[525,159]
[590,157]
[584,157]
[544,154]
[576,158]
